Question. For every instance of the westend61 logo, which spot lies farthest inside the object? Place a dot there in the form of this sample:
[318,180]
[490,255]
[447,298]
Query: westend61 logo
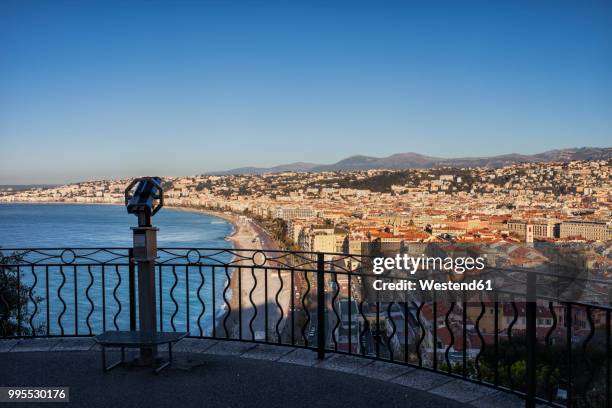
[428,263]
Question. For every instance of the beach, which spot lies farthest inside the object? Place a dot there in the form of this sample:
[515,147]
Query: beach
[248,283]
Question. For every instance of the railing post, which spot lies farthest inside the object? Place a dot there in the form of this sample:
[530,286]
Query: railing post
[531,341]
[132,276]
[320,306]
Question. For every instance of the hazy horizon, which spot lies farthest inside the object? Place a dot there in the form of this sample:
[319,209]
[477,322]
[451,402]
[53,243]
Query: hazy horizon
[126,176]
[100,90]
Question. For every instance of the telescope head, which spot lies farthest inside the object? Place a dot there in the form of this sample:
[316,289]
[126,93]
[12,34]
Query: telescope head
[142,201]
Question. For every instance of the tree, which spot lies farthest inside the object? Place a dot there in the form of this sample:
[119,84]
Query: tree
[552,370]
[14,298]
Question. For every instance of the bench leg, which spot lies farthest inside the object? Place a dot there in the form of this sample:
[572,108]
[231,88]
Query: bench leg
[161,367]
[166,363]
[103,358]
[107,369]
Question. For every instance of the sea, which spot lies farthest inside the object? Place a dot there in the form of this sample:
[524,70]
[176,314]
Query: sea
[104,226]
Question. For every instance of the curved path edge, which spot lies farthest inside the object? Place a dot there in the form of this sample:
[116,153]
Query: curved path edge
[438,384]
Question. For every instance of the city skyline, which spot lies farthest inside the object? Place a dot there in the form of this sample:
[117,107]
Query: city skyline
[395,162]
[93,92]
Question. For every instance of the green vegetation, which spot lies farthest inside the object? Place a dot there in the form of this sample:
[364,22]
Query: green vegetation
[552,370]
[383,181]
[14,298]
[276,228]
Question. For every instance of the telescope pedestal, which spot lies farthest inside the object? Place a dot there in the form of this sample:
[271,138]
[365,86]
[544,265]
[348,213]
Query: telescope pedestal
[145,253]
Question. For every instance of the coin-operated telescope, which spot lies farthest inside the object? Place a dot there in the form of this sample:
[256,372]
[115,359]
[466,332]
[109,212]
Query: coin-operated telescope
[145,201]
[142,202]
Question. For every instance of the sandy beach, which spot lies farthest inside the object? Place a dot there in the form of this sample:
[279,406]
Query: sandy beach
[250,282]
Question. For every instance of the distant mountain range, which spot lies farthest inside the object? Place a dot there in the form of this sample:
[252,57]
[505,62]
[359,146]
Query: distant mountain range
[419,161]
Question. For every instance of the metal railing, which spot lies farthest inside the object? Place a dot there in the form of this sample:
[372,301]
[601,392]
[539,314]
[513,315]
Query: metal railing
[551,352]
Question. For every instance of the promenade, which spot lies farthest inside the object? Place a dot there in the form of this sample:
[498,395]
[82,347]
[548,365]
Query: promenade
[244,277]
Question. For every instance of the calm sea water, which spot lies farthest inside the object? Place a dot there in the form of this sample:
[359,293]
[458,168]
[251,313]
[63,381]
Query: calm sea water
[73,225]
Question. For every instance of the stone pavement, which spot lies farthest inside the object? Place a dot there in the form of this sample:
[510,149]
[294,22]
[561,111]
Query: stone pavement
[261,367]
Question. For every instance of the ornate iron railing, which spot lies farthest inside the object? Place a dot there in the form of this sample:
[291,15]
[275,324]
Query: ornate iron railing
[547,351]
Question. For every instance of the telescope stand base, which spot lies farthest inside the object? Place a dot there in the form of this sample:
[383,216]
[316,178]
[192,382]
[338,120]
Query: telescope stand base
[158,363]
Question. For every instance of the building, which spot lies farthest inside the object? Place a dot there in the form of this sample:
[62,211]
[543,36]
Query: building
[294,228]
[542,229]
[318,239]
[291,213]
[590,230]
[486,321]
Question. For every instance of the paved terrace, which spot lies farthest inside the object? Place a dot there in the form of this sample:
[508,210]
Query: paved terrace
[212,373]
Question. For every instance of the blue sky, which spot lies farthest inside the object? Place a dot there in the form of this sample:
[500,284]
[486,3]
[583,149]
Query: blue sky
[100,89]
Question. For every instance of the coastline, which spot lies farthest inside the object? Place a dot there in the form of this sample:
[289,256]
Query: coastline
[56,202]
[242,233]
[233,219]
[242,237]
[245,281]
